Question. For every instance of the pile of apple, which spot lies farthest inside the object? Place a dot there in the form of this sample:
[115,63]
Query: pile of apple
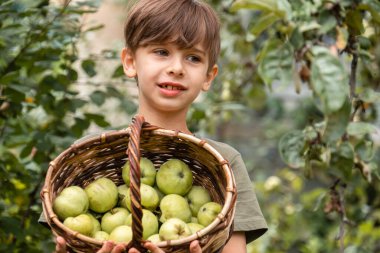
[173,207]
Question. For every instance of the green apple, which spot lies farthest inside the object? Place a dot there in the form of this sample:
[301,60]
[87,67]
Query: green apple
[149,223]
[194,227]
[154,238]
[174,176]
[102,194]
[113,218]
[123,191]
[101,236]
[147,171]
[174,229]
[160,193]
[149,198]
[208,212]
[96,224]
[175,206]
[82,223]
[194,219]
[121,233]
[71,202]
[197,197]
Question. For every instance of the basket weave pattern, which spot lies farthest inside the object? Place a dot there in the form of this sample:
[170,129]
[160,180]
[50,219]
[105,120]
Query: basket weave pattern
[106,154]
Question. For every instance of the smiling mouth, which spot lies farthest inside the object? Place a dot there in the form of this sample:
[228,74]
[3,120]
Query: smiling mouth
[171,86]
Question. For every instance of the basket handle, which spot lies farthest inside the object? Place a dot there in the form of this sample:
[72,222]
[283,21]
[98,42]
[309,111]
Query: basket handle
[133,153]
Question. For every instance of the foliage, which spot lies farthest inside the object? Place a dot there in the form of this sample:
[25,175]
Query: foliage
[331,49]
[41,112]
[328,52]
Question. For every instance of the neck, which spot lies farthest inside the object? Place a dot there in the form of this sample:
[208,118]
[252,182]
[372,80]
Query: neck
[166,120]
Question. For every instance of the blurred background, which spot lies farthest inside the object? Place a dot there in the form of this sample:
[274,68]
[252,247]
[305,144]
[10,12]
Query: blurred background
[298,95]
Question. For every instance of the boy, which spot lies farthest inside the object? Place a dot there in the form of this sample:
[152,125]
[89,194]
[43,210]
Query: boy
[171,50]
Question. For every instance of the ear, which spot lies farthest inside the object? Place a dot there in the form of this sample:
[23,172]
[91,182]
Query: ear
[210,77]
[128,60]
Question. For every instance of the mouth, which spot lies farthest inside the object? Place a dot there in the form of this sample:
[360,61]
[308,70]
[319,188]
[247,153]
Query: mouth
[171,86]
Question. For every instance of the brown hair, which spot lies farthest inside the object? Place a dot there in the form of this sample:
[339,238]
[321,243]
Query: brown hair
[184,22]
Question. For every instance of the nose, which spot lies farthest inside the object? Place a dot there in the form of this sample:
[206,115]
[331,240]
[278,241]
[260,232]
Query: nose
[176,67]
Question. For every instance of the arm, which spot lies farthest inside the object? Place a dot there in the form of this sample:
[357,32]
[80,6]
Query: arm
[236,244]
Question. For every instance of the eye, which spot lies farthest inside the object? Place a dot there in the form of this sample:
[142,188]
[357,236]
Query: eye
[194,58]
[161,52]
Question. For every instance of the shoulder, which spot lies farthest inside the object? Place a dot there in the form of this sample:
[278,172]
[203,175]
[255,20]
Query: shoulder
[227,151]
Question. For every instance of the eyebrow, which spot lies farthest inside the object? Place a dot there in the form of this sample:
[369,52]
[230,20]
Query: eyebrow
[198,50]
[192,48]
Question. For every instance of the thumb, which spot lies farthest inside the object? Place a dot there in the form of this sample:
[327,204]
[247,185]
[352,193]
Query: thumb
[60,246]
[195,247]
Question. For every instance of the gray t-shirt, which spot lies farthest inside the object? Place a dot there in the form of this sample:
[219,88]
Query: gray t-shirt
[248,215]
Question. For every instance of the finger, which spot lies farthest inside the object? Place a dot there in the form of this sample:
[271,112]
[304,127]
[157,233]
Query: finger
[60,246]
[107,247]
[195,247]
[153,247]
[119,248]
[133,250]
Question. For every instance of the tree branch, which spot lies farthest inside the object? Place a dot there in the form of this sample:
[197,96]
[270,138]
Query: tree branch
[352,49]
[30,40]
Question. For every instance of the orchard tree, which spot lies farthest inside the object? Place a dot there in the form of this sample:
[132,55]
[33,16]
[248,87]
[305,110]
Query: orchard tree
[331,49]
[41,110]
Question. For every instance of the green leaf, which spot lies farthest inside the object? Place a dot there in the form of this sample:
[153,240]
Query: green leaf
[118,72]
[79,126]
[276,62]
[263,23]
[337,122]
[9,77]
[327,21]
[14,94]
[89,67]
[98,119]
[94,28]
[354,20]
[266,6]
[98,97]
[370,96]
[365,149]
[342,161]
[76,104]
[329,79]
[280,8]
[372,7]
[291,147]
[361,128]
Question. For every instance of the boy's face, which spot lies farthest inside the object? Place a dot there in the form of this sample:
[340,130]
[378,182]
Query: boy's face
[169,78]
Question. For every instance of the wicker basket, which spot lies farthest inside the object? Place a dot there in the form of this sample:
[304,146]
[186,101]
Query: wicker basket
[105,155]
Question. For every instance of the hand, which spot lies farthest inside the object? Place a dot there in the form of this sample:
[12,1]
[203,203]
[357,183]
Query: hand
[111,247]
[108,246]
[194,248]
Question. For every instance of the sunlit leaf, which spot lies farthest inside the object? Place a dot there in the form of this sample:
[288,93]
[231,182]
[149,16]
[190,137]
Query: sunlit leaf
[336,123]
[276,62]
[280,8]
[263,23]
[291,146]
[361,128]
[329,80]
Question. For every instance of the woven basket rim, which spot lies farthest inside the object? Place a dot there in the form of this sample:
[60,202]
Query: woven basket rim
[230,196]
